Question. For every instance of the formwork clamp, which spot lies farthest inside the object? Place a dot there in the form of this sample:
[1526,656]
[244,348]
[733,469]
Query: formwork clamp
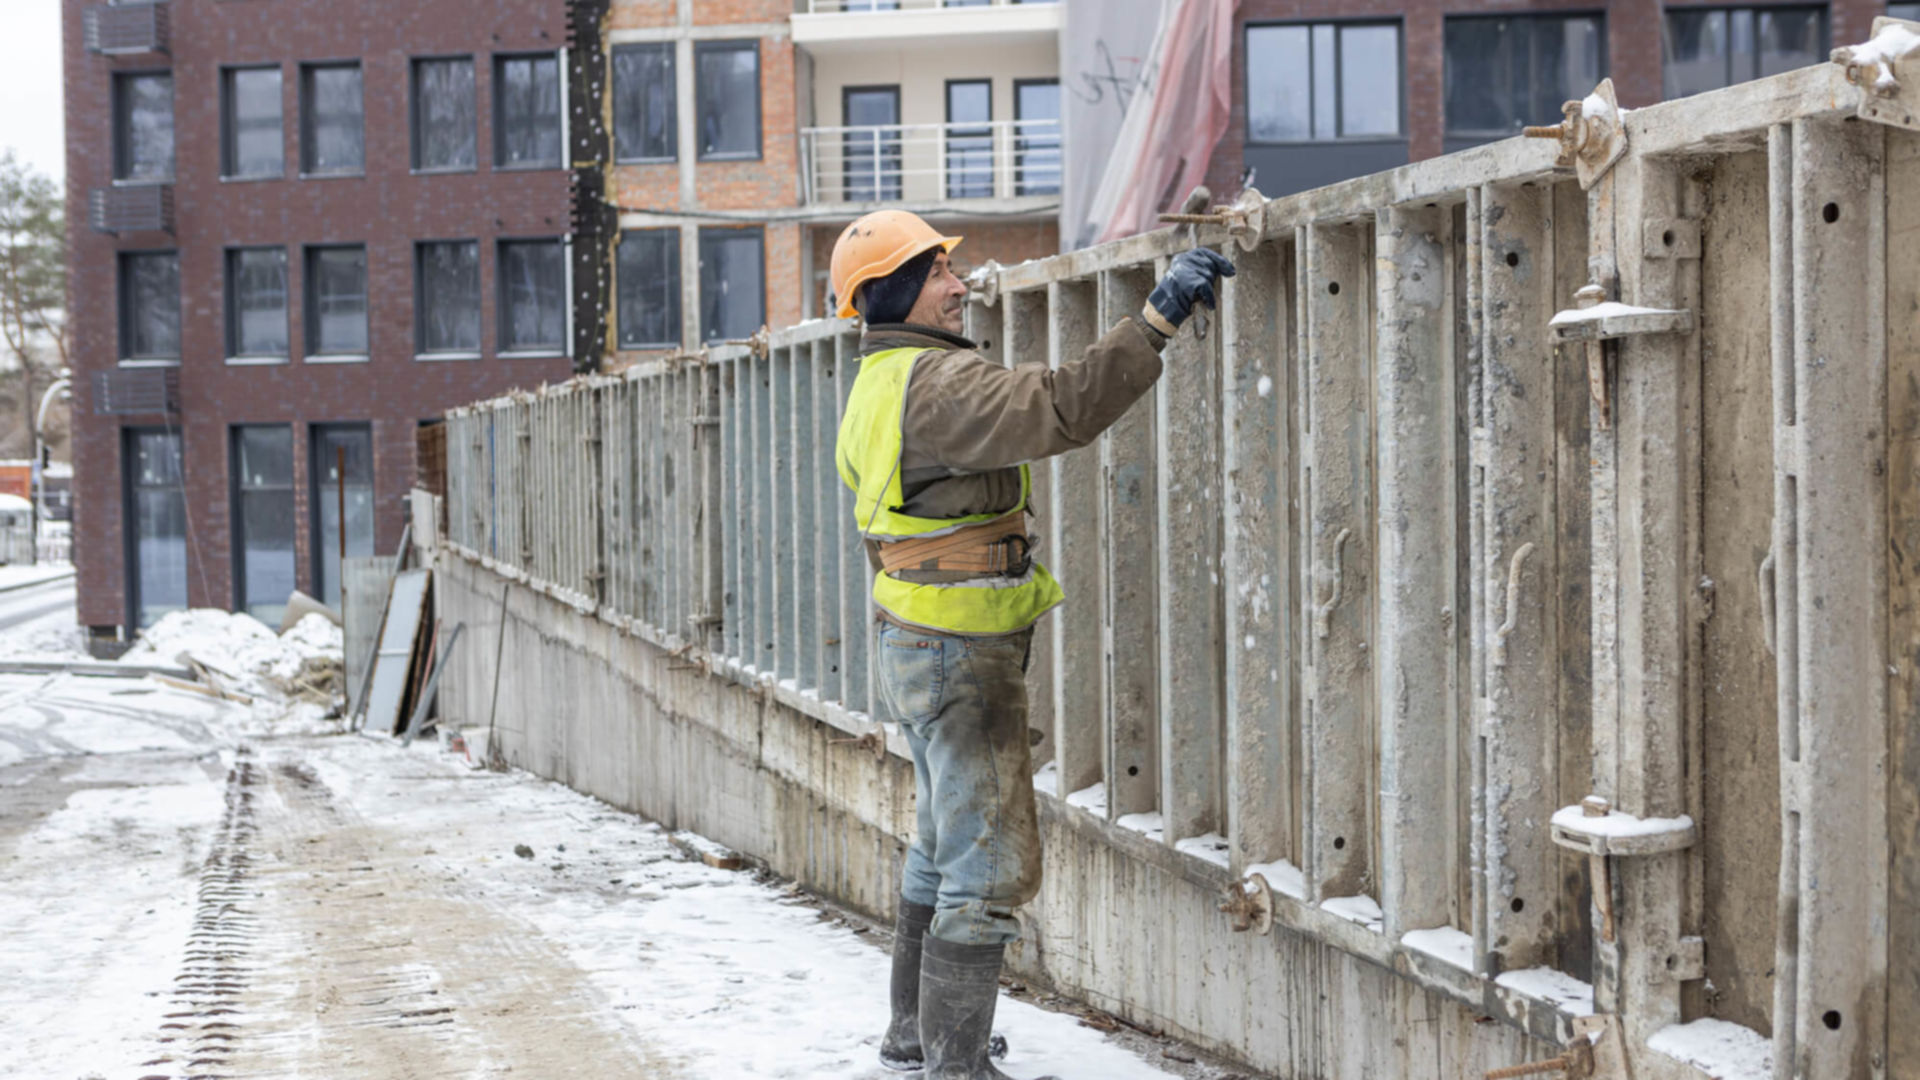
[984,282]
[1245,218]
[1248,905]
[1592,133]
[1875,66]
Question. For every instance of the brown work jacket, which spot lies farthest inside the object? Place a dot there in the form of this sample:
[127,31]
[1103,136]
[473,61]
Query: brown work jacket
[969,423]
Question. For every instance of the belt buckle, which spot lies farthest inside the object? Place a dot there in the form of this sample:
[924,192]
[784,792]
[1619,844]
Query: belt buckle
[1011,568]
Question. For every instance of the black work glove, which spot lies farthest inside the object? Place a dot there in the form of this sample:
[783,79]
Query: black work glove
[1189,280]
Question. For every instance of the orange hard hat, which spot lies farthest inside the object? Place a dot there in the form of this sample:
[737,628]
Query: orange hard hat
[875,246]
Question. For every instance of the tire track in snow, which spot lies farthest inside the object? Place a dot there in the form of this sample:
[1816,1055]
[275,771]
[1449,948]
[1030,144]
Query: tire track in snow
[198,1035]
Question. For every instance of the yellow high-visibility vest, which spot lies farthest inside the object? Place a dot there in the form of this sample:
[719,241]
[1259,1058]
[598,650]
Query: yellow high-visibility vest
[868,457]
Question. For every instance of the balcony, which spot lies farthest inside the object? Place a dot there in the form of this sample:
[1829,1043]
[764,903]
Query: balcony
[133,208]
[127,29]
[832,25]
[151,391]
[1007,165]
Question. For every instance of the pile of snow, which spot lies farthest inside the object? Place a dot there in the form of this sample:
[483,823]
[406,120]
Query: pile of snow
[243,656]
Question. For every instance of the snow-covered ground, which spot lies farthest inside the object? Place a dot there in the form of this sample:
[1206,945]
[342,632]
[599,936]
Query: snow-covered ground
[191,891]
[15,574]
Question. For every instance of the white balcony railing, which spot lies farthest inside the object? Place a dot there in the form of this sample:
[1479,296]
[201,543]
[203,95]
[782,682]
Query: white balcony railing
[931,163]
[835,7]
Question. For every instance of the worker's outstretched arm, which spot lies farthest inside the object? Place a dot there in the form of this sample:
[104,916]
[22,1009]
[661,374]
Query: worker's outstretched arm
[967,412]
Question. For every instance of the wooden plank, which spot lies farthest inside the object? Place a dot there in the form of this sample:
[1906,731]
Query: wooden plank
[405,610]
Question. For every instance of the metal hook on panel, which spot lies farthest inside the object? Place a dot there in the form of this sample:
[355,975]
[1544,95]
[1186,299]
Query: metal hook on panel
[1513,604]
[1769,595]
[1323,613]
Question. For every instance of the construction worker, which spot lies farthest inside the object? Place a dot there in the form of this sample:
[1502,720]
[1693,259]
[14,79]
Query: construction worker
[934,444]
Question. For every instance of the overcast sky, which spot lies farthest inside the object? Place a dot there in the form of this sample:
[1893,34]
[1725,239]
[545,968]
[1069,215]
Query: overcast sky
[30,102]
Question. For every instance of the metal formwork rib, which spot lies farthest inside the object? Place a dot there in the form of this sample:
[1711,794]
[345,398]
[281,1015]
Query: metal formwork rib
[1370,587]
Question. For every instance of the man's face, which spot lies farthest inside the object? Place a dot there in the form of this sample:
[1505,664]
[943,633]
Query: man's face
[940,298]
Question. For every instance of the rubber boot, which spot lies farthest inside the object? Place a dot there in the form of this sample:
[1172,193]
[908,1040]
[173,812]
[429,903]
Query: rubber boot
[959,988]
[900,1050]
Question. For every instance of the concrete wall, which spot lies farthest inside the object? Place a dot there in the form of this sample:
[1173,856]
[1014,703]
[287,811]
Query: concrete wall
[1122,923]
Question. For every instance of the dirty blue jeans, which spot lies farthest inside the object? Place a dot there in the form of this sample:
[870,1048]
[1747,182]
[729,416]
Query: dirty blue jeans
[962,703]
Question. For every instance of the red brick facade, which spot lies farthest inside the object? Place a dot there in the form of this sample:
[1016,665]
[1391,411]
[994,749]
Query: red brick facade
[1633,56]
[387,209]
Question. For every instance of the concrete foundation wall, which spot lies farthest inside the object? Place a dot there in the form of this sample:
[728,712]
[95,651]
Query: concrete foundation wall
[1122,923]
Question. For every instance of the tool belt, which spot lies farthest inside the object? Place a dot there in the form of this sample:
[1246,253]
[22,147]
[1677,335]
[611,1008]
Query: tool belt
[998,547]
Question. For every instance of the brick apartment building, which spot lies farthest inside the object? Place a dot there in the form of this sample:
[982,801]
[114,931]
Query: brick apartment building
[747,133]
[306,227]
[298,229]
[1329,89]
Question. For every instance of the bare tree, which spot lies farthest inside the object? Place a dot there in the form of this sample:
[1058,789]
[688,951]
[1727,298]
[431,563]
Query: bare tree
[33,243]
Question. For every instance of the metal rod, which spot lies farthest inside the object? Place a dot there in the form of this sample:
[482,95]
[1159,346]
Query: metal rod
[499,650]
[433,681]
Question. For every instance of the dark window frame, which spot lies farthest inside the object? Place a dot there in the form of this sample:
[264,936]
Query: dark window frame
[947,167]
[414,129]
[759,233]
[1399,25]
[707,48]
[881,187]
[1059,147]
[1532,16]
[664,48]
[500,61]
[675,294]
[323,494]
[503,308]
[230,129]
[310,304]
[121,134]
[1823,9]
[125,312]
[130,513]
[236,502]
[308,143]
[230,297]
[420,351]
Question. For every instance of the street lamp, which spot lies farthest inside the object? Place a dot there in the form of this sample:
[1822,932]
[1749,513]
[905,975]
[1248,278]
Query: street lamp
[60,387]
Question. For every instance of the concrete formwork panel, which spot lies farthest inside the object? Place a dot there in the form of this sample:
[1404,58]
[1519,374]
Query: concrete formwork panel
[1377,582]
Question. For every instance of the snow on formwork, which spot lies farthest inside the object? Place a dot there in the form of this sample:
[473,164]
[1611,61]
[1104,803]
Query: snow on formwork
[1722,1050]
[1091,799]
[1555,987]
[1283,877]
[1209,846]
[1363,910]
[1442,943]
[1891,45]
[1617,823]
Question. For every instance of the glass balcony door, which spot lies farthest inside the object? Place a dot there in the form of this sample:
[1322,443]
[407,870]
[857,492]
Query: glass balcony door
[872,157]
